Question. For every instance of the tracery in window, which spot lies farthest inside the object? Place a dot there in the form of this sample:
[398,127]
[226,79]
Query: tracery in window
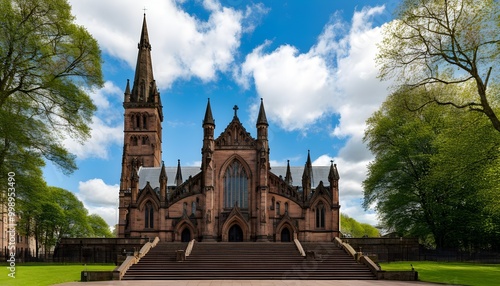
[320,215]
[235,186]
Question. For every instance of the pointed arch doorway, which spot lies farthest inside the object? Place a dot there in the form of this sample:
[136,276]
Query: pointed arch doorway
[186,235]
[285,235]
[235,234]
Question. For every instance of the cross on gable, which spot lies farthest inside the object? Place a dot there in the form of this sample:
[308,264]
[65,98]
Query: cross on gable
[235,108]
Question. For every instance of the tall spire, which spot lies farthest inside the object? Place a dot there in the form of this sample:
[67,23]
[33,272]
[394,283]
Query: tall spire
[209,119]
[334,173]
[144,43]
[178,176]
[144,88]
[262,119]
[288,176]
[307,177]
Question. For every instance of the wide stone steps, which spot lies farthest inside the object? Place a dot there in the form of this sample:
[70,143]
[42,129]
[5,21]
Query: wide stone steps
[247,260]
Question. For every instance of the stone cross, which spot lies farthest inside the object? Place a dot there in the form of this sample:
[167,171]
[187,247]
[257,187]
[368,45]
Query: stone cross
[235,108]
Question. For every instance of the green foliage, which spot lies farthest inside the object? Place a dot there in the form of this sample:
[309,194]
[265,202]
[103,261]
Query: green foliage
[52,213]
[447,273]
[353,228]
[99,227]
[47,66]
[434,171]
[452,42]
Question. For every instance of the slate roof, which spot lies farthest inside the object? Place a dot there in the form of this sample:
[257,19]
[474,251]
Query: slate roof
[152,174]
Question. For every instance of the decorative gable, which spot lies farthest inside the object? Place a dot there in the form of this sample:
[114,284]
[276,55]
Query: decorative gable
[235,135]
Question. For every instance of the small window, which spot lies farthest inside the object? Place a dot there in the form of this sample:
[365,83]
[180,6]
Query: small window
[145,121]
[320,215]
[148,215]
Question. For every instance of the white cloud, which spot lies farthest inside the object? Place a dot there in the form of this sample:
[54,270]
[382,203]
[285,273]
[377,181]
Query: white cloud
[186,47]
[337,75]
[103,137]
[100,198]
[100,96]
[97,193]
[296,87]
[105,131]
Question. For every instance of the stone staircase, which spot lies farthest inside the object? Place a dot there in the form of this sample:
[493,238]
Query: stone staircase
[247,260]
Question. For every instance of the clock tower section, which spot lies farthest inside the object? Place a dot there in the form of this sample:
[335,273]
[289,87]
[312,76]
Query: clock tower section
[143,117]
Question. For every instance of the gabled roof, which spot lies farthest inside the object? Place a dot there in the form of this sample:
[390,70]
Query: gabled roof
[152,174]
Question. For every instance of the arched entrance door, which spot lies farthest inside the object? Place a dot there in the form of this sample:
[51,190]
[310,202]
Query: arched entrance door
[186,235]
[235,233]
[285,235]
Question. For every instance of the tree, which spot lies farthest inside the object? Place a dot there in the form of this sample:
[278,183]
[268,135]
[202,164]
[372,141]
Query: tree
[99,226]
[47,66]
[446,41]
[424,181]
[53,213]
[353,228]
[74,221]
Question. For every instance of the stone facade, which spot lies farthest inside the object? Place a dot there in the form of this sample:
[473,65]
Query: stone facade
[233,196]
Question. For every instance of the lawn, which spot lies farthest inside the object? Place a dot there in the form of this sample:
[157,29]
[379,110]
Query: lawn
[28,274]
[451,272]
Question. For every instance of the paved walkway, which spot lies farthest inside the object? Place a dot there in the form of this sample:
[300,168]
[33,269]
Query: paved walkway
[250,283]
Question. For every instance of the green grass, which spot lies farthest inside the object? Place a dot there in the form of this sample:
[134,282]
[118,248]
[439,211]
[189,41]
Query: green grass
[28,274]
[41,274]
[455,273]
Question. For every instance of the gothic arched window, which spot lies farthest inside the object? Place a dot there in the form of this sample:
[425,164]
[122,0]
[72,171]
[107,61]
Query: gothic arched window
[235,186]
[145,121]
[320,215]
[134,140]
[148,215]
[132,120]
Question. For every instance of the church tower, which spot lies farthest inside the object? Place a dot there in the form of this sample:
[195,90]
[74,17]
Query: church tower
[142,132]
[143,115]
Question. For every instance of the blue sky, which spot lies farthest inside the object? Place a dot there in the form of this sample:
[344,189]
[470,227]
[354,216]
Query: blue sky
[311,61]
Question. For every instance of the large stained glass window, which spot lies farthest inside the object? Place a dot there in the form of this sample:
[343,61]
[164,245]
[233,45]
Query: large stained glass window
[235,186]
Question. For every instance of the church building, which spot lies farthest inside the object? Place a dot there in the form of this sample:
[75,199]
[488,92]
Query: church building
[234,195]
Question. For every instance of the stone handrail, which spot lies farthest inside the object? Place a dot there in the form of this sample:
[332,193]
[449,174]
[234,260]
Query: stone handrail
[133,259]
[122,269]
[144,249]
[348,248]
[155,241]
[338,242]
[299,247]
[189,248]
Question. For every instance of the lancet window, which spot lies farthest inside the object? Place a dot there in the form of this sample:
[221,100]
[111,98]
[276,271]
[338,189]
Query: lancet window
[235,186]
